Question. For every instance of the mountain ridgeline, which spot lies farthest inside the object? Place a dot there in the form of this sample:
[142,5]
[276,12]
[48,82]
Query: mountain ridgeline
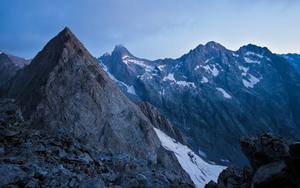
[293,59]
[65,90]
[215,95]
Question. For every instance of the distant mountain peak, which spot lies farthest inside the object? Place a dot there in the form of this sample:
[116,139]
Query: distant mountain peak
[121,50]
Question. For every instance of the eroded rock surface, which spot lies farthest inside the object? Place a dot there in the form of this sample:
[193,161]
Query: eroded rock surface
[36,158]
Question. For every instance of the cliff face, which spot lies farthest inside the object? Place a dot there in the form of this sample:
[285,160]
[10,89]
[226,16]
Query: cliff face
[161,122]
[65,89]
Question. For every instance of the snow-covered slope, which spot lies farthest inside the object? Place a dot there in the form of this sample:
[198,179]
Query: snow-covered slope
[200,171]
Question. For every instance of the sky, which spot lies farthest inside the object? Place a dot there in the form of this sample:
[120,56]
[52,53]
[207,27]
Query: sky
[150,29]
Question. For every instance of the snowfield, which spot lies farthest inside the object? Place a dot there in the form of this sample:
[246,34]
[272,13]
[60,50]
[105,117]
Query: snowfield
[200,171]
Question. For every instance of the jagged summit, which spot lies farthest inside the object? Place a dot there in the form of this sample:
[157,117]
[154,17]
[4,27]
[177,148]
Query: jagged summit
[215,95]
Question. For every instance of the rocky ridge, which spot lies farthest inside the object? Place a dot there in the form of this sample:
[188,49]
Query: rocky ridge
[35,158]
[275,162]
[215,95]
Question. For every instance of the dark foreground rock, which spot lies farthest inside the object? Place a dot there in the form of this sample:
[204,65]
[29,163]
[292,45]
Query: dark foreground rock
[275,162]
[35,158]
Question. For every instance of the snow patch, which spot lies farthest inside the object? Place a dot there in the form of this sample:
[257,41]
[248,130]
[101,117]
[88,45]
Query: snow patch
[214,71]
[235,55]
[209,60]
[248,60]
[245,69]
[225,160]
[253,80]
[200,172]
[184,83]
[204,80]
[181,83]
[160,67]
[130,89]
[169,77]
[225,94]
[268,59]
[140,63]
[252,53]
[125,56]
[162,93]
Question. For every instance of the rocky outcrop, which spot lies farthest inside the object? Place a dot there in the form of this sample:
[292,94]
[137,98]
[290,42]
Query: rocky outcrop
[36,158]
[265,149]
[215,95]
[64,89]
[7,69]
[274,160]
[161,122]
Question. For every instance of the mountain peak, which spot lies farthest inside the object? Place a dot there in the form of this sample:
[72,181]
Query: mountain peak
[121,50]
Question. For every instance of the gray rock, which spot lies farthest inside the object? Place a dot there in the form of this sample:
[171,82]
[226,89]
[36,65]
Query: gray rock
[32,183]
[273,175]
[11,174]
[133,183]
[265,149]
[141,177]
[94,182]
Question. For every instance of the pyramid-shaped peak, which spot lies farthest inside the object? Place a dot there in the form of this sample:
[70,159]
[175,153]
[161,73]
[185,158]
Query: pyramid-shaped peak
[66,32]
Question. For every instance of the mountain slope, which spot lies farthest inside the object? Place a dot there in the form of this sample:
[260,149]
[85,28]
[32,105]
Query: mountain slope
[215,95]
[293,59]
[65,89]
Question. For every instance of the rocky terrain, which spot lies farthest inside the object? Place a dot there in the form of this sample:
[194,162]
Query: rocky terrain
[215,95]
[293,59]
[36,158]
[275,162]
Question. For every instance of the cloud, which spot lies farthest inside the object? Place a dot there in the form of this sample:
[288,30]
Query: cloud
[151,28]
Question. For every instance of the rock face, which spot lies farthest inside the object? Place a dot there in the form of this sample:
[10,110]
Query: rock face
[35,158]
[215,95]
[293,59]
[274,160]
[7,69]
[161,122]
[65,89]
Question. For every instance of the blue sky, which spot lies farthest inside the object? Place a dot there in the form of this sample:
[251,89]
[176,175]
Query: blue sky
[150,29]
